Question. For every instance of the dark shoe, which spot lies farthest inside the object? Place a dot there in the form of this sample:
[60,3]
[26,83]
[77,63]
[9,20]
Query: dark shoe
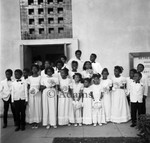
[133,125]
[17,129]
[23,128]
[4,126]
[15,124]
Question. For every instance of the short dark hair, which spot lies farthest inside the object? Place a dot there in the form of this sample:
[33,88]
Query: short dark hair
[59,61]
[105,70]
[96,75]
[78,51]
[78,74]
[19,71]
[87,79]
[66,71]
[49,68]
[138,74]
[85,64]
[141,65]
[133,70]
[119,68]
[27,70]
[94,55]
[37,66]
[9,71]
[74,62]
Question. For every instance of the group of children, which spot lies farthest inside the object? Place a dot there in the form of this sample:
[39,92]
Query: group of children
[67,94]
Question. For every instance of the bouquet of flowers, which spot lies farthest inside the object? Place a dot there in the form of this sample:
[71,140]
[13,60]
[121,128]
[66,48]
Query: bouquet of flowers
[97,104]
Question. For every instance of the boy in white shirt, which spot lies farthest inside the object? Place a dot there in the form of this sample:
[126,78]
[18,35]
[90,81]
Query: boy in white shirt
[5,93]
[136,93]
[97,68]
[144,80]
[19,99]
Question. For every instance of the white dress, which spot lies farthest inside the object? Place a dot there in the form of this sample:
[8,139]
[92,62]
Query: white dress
[64,102]
[77,88]
[87,73]
[105,85]
[35,106]
[49,100]
[87,106]
[98,113]
[120,109]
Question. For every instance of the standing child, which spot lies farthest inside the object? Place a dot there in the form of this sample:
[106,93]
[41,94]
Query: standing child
[77,90]
[136,93]
[59,65]
[87,70]
[34,97]
[74,70]
[106,85]
[19,99]
[49,86]
[5,92]
[120,109]
[64,100]
[87,102]
[98,103]
[129,81]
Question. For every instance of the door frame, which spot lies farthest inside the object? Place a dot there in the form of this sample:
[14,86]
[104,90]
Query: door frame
[70,46]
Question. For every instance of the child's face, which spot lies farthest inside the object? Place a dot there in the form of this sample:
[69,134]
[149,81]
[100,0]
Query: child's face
[8,75]
[116,72]
[62,59]
[136,77]
[78,55]
[25,74]
[88,65]
[86,83]
[92,58]
[63,74]
[131,74]
[59,66]
[34,70]
[49,72]
[140,68]
[96,80]
[76,78]
[17,75]
[105,74]
[74,66]
[47,64]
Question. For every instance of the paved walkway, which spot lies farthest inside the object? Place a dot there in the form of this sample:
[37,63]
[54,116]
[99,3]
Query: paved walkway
[42,135]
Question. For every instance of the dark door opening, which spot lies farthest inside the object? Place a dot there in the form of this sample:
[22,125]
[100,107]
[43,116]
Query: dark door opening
[44,52]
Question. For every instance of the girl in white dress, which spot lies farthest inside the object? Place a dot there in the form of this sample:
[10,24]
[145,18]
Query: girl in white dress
[49,85]
[98,114]
[34,97]
[64,99]
[120,109]
[106,85]
[77,90]
[87,70]
[87,102]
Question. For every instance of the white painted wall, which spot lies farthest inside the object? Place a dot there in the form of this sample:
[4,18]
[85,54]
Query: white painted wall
[110,28]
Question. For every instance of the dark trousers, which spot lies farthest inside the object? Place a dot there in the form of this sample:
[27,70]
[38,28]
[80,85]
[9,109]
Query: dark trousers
[20,108]
[144,106]
[6,107]
[135,107]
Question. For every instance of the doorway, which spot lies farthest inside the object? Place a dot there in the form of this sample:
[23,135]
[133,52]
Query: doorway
[31,53]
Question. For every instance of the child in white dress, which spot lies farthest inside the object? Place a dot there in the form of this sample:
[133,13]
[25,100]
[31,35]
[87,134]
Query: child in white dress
[35,107]
[77,90]
[87,70]
[120,109]
[64,99]
[87,102]
[49,85]
[98,103]
[106,85]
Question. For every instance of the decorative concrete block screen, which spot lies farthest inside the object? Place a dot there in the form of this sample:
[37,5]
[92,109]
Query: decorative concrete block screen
[46,19]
